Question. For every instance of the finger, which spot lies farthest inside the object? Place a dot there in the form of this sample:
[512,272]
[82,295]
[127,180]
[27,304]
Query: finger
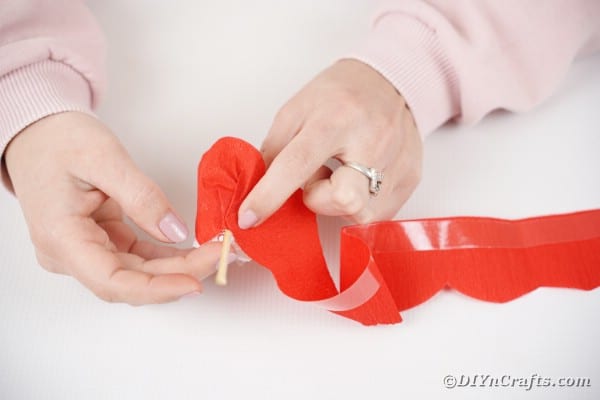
[109,278]
[84,252]
[49,263]
[345,193]
[293,166]
[136,288]
[141,199]
[286,124]
[322,173]
[108,211]
[149,250]
[199,263]
[207,253]
[121,236]
[364,216]
[125,241]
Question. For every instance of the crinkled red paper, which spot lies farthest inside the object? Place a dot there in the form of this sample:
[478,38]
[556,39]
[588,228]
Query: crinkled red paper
[387,267]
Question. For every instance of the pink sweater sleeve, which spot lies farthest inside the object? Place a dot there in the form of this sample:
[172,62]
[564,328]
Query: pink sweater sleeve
[51,60]
[462,59]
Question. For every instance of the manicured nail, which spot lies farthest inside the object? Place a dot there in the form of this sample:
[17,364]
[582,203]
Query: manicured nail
[173,228]
[247,219]
[190,295]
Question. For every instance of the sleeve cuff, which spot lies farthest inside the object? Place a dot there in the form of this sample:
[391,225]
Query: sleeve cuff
[35,91]
[408,54]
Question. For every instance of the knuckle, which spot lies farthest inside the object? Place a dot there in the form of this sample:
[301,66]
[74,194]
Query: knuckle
[271,147]
[268,144]
[363,218]
[386,137]
[327,122]
[103,292]
[347,201]
[385,127]
[416,173]
[351,102]
[327,129]
[49,242]
[285,116]
[45,263]
[300,157]
[40,238]
[144,195]
[343,110]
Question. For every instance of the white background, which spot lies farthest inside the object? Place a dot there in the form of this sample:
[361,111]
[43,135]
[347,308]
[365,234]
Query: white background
[183,75]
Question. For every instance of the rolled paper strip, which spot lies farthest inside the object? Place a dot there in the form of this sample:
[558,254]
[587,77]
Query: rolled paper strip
[486,258]
[391,266]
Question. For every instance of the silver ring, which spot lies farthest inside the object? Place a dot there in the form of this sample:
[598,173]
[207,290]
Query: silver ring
[375,177]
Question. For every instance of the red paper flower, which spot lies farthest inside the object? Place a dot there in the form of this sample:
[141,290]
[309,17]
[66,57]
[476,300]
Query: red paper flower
[388,267]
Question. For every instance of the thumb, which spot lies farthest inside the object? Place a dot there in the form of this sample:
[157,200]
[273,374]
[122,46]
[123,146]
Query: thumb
[141,199]
[290,169]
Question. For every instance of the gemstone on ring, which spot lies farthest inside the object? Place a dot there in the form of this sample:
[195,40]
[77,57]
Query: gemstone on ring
[375,176]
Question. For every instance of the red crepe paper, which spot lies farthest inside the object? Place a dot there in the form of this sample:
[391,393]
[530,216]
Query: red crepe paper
[387,267]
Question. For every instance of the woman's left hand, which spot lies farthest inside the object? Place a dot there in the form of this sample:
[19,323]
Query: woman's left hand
[352,113]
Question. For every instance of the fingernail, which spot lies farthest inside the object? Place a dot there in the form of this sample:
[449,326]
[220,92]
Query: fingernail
[173,228]
[231,257]
[247,219]
[190,295]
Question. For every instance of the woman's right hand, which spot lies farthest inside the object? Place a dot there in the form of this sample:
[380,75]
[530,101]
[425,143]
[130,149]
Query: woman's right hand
[75,181]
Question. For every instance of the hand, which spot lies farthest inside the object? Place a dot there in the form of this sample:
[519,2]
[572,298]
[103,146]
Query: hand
[74,180]
[352,113]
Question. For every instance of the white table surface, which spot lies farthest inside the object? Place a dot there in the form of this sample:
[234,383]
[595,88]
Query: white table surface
[182,76]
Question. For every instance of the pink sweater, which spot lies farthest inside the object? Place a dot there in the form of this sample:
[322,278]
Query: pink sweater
[451,60]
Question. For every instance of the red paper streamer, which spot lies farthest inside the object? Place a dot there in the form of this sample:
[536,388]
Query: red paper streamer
[387,267]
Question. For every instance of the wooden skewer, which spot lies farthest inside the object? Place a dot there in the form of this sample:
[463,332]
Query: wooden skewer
[221,277]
